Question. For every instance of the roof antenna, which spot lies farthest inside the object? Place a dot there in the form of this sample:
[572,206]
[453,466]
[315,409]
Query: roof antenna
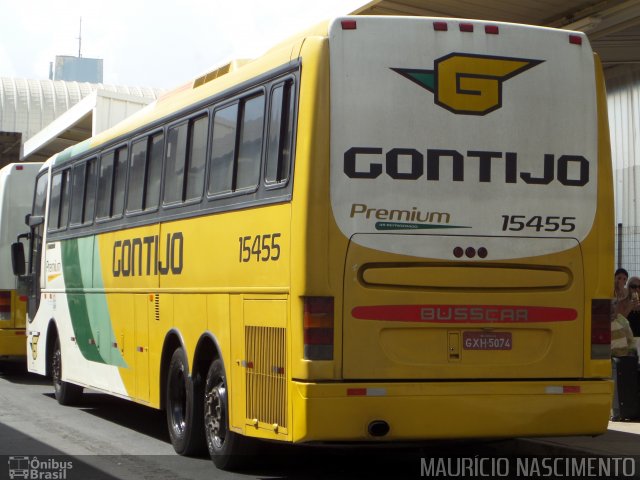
[80,40]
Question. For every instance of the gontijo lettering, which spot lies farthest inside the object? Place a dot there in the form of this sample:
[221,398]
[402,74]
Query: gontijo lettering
[140,256]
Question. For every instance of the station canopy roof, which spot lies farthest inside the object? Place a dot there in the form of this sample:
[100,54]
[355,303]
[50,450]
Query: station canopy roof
[613,26]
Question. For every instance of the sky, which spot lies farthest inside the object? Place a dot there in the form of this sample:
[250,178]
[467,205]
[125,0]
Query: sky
[151,43]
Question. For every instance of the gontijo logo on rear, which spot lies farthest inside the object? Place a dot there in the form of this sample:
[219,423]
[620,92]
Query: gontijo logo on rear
[468,84]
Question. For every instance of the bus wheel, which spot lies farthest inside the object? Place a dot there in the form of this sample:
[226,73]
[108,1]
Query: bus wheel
[66,393]
[184,400]
[225,447]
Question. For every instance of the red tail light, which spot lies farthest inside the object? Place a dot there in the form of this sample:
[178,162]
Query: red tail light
[601,328]
[5,305]
[318,328]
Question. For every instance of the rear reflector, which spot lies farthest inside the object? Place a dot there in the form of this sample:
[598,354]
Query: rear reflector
[575,39]
[601,311]
[491,29]
[440,26]
[366,392]
[466,27]
[5,305]
[349,24]
[19,167]
[318,328]
[562,389]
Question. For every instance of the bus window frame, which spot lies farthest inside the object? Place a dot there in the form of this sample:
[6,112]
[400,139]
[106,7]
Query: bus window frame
[75,165]
[113,149]
[64,171]
[147,138]
[239,100]
[188,119]
[293,111]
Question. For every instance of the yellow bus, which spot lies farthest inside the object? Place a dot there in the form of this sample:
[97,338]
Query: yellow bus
[16,197]
[384,229]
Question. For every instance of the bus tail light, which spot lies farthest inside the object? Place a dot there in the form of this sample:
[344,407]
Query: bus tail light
[5,305]
[601,328]
[318,328]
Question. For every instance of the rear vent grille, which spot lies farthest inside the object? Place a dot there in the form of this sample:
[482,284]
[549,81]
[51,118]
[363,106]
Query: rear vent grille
[156,304]
[266,375]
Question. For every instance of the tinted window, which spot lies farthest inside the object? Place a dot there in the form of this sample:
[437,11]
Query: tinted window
[197,157]
[119,182]
[280,133]
[54,202]
[40,195]
[154,171]
[90,191]
[111,183]
[65,199]
[137,172]
[174,163]
[77,190]
[223,150]
[250,145]
[105,185]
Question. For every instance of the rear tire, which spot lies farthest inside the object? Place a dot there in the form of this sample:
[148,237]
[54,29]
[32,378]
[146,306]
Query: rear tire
[227,449]
[184,401]
[66,393]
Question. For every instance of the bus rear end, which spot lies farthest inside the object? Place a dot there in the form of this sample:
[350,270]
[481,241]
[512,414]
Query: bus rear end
[16,196]
[470,185]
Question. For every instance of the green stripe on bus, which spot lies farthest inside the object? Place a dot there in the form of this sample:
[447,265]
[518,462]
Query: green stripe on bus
[89,311]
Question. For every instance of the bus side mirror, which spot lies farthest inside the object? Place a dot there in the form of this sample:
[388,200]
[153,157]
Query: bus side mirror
[17,258]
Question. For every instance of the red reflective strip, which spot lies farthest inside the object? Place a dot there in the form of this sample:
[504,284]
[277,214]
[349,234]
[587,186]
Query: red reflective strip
[20,332]
[491,29]
[352,392]
[440,26]
[464,313]
[571,389]
[349,24]
[466,27]
[19,167]
[575,39]
[23,298]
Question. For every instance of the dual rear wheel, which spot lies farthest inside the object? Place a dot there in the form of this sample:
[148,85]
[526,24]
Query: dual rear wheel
[198,414]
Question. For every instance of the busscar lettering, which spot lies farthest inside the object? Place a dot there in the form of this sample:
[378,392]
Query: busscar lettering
[474,314]
[409,164]
[135,257]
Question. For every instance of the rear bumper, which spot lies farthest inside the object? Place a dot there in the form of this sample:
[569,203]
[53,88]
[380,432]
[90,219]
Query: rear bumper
[450,410]
[13,343]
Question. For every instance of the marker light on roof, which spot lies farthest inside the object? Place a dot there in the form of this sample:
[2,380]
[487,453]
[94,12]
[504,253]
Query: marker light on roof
[466,27]
[440,26]
[575,39]
[349,24]
[491,29]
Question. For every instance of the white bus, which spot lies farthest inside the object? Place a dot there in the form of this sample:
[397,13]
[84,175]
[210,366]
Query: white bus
[16,197]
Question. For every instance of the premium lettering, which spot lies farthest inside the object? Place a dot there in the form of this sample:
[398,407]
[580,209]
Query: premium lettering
[410,164]
[143,256]
[413,215]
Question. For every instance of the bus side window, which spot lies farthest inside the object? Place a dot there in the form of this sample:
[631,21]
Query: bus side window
[90,191]
[197,157]
[77,192]
[83,191]
[223,150]
[119,182]
[154,171]
[280,134]
[105,185]
[174,163]
[250,144]
[111,184]
[54,202]
[59,205]
[137,172]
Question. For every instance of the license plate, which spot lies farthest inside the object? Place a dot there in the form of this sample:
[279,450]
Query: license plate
[486,341]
